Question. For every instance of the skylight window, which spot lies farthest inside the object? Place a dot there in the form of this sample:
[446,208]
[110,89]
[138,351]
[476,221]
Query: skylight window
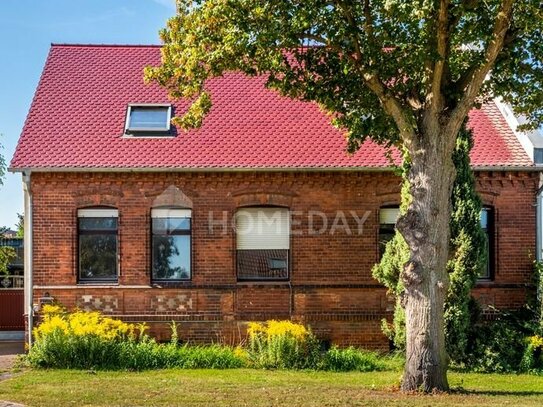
[148,118]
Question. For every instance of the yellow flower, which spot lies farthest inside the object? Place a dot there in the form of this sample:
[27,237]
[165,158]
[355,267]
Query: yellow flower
[81,324]
[275,328]
[52,324]
[50,309]
[240,353]
[279,328]
[254,328]
[536,342]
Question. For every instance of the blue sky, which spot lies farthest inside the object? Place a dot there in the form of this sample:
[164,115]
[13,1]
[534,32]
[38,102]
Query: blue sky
[27,29]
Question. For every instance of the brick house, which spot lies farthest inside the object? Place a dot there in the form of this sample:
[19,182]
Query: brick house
[258,214]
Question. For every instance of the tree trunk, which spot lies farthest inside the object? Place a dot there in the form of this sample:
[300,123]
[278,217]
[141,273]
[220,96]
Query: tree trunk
[425,227]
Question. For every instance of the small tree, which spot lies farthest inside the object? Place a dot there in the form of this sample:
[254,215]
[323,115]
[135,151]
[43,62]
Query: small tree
[20,225]
[399,72]
[7,255]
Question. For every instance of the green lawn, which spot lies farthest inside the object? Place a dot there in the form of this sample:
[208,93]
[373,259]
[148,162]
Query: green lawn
[245,387]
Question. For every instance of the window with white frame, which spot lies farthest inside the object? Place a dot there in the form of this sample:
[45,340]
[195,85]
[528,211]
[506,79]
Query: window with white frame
[171,244]
[262,243]
[98,244]
[145,119]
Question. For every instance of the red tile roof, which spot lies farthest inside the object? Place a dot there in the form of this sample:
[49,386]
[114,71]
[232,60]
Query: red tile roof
[77,119]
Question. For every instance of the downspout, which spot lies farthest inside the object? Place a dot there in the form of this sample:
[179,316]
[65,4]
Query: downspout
[28,256]
[539,226]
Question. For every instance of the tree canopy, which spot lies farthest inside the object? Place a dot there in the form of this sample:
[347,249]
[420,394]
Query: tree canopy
[403,73]
[377,65]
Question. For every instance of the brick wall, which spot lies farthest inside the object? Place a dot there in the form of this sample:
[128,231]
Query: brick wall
[331,287]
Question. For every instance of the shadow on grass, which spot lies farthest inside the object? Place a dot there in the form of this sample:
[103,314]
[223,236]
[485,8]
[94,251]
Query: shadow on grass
[460,390]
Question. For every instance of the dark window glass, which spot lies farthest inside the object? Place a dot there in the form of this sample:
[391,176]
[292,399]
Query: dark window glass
[148,118]
[97,249]
[171,249]
[386,234]
[487,224]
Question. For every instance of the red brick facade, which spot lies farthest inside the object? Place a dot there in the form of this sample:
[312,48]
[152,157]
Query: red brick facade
[330,286]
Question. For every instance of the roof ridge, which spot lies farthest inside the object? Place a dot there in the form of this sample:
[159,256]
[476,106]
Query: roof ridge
[81,45]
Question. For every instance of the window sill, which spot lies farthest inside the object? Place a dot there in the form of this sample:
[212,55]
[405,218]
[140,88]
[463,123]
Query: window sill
[252,283]
[98,283]
[484,283]
[171,284]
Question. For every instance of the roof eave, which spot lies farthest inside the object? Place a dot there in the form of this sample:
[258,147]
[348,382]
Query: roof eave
[532,168]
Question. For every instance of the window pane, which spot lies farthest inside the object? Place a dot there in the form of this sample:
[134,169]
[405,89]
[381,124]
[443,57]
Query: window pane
[171,257]
[98,224]
[162,226]
[262,264]
[484,218]
[148,117]
[178,224]
[98,256]
[486,225]
[386,234]
[389,215]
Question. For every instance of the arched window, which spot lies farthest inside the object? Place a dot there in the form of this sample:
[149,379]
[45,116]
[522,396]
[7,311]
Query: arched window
[171,244]
[98,244]
[262,242]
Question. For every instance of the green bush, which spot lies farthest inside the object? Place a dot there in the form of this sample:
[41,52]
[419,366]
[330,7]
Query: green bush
[282,345]
[352,359]
[58,351]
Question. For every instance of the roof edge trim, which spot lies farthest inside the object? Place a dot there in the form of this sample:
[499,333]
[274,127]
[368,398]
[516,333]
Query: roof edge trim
[245,169]
[81,45]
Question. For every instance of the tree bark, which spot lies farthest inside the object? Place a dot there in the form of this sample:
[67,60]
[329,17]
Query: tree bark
[425,227]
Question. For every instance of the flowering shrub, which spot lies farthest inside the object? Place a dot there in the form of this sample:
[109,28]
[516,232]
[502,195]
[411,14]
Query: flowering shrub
[533,355]
[80,323]
[88,340]
[282,345]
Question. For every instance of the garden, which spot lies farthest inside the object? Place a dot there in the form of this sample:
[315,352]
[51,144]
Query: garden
[85,358]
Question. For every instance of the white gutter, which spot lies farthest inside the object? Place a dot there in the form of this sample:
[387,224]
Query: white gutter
[28,256]
[539,224]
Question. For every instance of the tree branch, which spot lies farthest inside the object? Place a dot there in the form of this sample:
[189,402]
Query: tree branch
[474,80]
[391,105]
[368,22]
[442,39]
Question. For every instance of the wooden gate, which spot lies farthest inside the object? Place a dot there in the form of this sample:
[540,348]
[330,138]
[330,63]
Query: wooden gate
[11,303]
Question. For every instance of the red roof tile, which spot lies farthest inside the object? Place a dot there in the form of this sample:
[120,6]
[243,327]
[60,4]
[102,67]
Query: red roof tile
[78,113]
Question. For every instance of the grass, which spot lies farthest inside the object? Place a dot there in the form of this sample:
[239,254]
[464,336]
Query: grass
[242,387]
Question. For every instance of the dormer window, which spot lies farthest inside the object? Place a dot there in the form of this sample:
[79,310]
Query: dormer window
[148,119]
